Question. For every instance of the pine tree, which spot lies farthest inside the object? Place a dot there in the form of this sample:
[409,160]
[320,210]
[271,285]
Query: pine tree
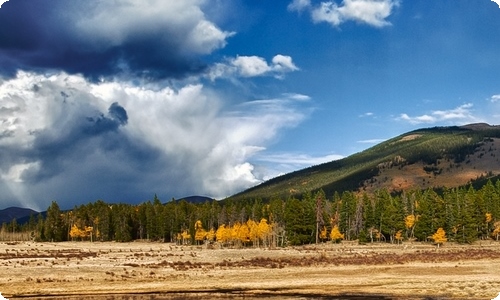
[54,227]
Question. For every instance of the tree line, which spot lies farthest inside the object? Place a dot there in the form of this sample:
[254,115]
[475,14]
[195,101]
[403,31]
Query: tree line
[462,215]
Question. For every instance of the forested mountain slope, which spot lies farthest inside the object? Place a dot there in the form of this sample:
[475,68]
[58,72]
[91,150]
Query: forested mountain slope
[425,158]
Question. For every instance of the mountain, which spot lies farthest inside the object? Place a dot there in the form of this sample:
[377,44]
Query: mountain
[196,199]
[8,214]
[425,158]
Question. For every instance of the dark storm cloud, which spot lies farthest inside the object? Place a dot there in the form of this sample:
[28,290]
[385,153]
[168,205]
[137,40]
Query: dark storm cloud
[102,38]
[81,136]
[118,113]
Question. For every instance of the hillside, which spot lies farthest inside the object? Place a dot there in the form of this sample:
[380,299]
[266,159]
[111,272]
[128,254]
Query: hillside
[425,158]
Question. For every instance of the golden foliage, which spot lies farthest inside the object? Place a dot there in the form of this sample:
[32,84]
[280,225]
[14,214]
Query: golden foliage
[488,217]
[496,231]
[440,236]
[335,234]
[211,235]
[399,236]
[76,232]
[200,233]
[323,233]
[410,221]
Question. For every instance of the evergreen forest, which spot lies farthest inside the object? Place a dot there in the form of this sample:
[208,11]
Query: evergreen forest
[462,215]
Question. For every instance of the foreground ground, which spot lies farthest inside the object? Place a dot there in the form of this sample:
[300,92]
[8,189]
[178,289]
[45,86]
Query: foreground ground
[408,271]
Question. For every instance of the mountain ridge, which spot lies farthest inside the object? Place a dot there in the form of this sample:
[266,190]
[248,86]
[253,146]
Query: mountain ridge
[14,212]
[434,157]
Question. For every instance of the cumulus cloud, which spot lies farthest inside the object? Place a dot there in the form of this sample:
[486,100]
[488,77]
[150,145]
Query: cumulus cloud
[253,66]
[495,98]
[67,139]
[461,114]
[371,12]
[152,39]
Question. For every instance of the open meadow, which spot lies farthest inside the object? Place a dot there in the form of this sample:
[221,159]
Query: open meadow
[408,271]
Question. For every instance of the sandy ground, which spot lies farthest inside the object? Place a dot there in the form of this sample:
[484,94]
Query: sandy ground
[408,271]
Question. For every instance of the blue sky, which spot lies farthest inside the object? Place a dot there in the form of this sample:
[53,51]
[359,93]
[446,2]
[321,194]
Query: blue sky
[119,100]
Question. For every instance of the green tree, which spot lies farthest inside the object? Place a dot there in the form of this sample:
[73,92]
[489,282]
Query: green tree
[54,229]
[299,222]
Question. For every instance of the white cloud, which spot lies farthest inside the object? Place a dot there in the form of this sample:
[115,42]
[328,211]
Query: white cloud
[371,141]
[273,165]
[371,12]
[61,140]
[113,23]
[302,160]
[253,66]
[250,66]
[495,98]
[299,5]
[462,114]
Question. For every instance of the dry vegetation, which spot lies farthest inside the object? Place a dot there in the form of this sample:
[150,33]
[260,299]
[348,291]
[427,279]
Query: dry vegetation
[484,162]
[408,271]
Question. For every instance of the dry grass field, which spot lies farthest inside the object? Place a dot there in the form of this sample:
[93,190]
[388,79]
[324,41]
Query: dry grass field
[408,271]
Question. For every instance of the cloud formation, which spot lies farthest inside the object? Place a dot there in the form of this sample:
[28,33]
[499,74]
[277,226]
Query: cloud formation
[462,114]
[495,98]
[67,139]
[370,12]
[253,66]
[152,39]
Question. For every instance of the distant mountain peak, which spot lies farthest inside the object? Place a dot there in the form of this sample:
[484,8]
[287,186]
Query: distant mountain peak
[11,213]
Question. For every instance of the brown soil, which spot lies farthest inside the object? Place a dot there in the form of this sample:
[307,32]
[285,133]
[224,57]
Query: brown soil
[408,271]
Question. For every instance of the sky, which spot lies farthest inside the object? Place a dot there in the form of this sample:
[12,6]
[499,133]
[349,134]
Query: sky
[121,100]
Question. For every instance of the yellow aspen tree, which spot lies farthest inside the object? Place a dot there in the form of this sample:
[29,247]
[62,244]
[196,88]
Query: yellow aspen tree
[234,233]
[243,233]
[439,237]
[335,234]
[222,234]
[253,229]
[488,218]
[410,221]
[496,231]
[88,232]
[186,237]
[75,232]
[200,233]
[211,235]
[399,236]
[323,234]
[264,231]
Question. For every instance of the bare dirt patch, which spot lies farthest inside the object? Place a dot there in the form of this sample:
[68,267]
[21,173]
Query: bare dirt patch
[408,271]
